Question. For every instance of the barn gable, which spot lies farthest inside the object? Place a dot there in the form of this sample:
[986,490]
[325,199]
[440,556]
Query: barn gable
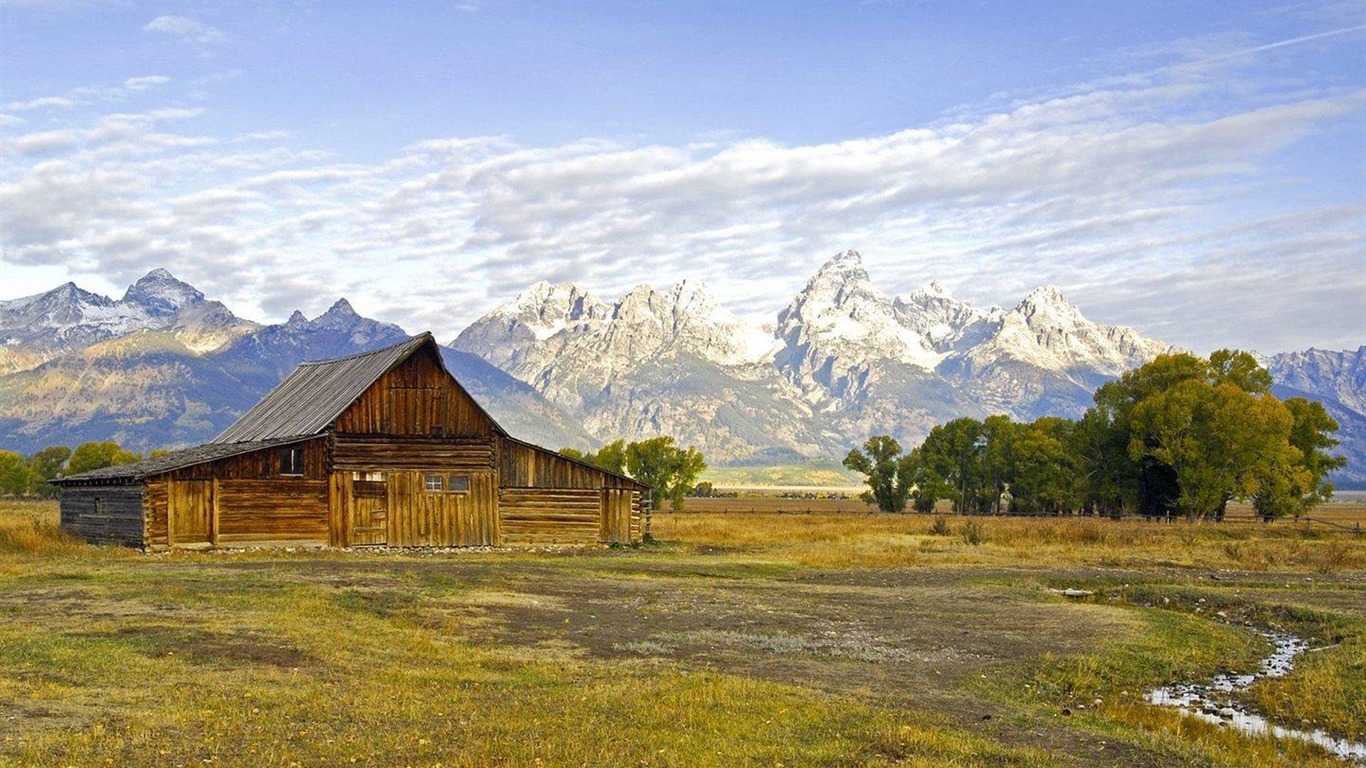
[382,448]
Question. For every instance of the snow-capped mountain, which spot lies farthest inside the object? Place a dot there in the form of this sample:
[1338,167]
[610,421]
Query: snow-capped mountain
[844,360]
[162,367]
[37,328]
[1338,380]
[654,362]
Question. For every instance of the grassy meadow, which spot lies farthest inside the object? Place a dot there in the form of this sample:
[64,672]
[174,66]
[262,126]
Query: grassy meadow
[755,633]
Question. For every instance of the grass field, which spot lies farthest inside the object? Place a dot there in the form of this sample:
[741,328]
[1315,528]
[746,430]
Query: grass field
[761,636]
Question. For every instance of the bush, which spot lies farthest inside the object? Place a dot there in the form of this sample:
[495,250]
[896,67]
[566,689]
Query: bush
[972,532]
[940,526]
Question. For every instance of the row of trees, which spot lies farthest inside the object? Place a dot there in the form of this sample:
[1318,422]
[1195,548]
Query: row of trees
[1180,435]
[670,471]
[29,475]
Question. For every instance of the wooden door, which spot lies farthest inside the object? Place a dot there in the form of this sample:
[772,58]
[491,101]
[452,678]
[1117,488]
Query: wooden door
[616,515]
[191,517]
[369,511]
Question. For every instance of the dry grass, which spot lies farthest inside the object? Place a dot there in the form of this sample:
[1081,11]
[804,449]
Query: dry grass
[842,539]
[112,657]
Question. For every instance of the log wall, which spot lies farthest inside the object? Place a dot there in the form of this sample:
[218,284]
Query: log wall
[383,452]
[242,501]
[110,514]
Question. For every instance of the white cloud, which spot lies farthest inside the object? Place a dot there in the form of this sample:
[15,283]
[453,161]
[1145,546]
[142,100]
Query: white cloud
[185,29]
[135,84]
[1130,187]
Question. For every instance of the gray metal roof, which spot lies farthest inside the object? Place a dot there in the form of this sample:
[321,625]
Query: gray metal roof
[315,394]
[184,457]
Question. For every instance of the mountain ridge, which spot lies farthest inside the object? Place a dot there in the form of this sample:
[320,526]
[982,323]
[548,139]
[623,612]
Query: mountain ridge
[558,365]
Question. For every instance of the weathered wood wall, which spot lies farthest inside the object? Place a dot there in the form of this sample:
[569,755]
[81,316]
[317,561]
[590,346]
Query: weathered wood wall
[416,397]
[421,518]
[546,498]
[110,514]
[527,466]
[240,501]
[381,452]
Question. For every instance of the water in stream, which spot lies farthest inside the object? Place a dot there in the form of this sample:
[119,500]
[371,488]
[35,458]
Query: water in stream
[1213,701]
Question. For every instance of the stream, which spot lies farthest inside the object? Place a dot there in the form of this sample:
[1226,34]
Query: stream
[1213,701]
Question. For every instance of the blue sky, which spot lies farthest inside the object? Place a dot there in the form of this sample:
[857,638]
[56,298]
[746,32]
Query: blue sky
[1194,170]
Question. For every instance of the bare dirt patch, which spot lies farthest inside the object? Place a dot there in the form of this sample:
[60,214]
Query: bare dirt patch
[203,646]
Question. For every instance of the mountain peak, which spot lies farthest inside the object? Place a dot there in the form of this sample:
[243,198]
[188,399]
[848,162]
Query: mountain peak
[161,294]
[341,308]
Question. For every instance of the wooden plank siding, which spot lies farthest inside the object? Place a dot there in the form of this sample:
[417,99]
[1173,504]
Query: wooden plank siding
[416,397]
[527,466]
[550,515]
[105,515]
[381,452]
[273,511]
[421,518]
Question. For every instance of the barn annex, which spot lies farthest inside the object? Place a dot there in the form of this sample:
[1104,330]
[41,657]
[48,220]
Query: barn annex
[382,448]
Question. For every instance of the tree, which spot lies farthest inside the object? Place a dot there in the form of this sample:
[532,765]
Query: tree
[14,474]
[998,456]
[611,457]
[1300,485]
[952,456]
[670,471]
[45,465]
[97,455]
[888,473]
[1042,474]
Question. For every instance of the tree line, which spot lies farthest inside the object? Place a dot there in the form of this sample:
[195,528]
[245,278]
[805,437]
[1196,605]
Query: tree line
[1182,435]
[28,476]
[670,470]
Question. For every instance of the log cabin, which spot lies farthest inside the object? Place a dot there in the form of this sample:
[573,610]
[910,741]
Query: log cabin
[384,448]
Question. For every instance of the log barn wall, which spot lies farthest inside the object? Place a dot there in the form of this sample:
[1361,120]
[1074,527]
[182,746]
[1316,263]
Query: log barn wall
[246,500]
[110,514]
[546,498]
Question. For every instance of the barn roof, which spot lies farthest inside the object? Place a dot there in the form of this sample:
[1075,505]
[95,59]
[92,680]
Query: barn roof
[185,457]
[316,393]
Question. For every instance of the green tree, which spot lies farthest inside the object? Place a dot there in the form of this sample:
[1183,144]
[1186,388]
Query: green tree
[1108,479]
[611,457]
[1298,486]
[952,458]
[1042,471]
[888,473]
[15,475]
[44,466]
[97,455]
[998,457]
[670,471]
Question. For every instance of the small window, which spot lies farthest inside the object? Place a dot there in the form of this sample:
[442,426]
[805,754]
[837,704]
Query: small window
[458,484]
[292,460]
[432,483]
[99,505]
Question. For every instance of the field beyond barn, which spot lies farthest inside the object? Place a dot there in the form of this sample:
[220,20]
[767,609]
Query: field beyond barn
[758,632]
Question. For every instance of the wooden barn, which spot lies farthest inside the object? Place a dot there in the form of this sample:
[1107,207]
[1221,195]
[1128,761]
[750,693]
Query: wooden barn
[378,449]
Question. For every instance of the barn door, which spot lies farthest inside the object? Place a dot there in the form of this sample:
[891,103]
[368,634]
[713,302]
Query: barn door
[191,515]
[616,516]
[369,509]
